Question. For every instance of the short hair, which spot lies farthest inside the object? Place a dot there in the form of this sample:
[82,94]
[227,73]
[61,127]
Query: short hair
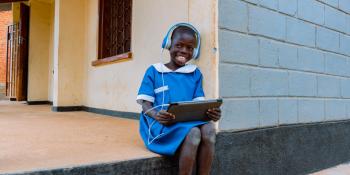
[184,29]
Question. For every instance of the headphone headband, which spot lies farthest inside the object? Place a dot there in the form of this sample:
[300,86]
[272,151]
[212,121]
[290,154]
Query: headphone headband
[167,39]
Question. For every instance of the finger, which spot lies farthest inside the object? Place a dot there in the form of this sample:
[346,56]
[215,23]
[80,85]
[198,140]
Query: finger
[217,110]
[214,112]
[166,117]
[164,113]
[160,119]
[213,116]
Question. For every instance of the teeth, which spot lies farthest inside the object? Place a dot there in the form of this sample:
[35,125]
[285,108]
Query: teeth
[181,58]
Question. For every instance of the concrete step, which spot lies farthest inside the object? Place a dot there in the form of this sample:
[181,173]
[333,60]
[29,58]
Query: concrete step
[155,165]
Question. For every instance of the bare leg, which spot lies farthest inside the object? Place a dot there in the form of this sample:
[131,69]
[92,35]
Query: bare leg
[188,151]
[206,148]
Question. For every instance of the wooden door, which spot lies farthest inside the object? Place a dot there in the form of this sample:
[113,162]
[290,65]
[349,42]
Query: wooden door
[22,59]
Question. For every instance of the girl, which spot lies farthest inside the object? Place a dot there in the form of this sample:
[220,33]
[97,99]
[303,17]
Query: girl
[172,82]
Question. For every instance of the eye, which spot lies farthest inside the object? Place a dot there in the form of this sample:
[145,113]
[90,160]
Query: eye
[178,45]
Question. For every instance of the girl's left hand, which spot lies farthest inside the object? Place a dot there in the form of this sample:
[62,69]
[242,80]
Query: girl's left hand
[214,114]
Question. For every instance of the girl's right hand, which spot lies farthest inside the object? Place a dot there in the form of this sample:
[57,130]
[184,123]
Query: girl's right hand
[165,118]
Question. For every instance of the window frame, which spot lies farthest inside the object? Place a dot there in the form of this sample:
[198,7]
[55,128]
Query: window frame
[115,58]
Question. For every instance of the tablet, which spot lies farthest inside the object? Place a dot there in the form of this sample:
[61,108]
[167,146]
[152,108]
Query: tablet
[193,110]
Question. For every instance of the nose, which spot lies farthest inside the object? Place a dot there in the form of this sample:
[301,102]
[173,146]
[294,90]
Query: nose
[185,50]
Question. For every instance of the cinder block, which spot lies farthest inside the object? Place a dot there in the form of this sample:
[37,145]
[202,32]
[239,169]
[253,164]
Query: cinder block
[345,88]
[344,5]
[240,114]
[268,53]
[268,112]
[266,82]
[335,110]
[336,19]
[328,86]
[348,21]
[300,32]
[311,110]
[287,111]
[327,39]
[288,56]
[233,15]
[336,64]
[347,108]
[266,22]
[311,59]
[234,80]
[344,44]
[238,48]
[302,84]
[289,7]
[333,3]
[272,4]
[311,10]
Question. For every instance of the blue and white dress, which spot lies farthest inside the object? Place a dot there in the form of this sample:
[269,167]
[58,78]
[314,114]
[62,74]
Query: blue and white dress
[183,84]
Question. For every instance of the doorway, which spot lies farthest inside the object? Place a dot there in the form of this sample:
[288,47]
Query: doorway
[17,57]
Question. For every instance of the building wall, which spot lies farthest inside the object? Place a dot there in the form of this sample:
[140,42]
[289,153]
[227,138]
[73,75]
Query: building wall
[115,86]
[69,46]
[283,62]
[39,50]
[51,55]
[5,20]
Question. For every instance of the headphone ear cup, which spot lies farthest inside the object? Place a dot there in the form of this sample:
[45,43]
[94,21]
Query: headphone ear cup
[167,39]
[195,54]
[168,43]
[164,42]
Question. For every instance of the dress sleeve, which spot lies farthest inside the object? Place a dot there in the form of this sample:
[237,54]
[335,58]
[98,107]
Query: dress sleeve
[146,91]
[198,93]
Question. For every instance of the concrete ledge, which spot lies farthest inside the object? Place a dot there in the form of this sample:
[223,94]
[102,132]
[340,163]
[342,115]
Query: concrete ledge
[66,108]
[121,114]
[293,149]
[141,166]
[39,103]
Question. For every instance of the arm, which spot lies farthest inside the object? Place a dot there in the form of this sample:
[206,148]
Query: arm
[162,116]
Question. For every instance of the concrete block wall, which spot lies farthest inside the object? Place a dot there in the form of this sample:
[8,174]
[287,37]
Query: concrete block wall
[283,62]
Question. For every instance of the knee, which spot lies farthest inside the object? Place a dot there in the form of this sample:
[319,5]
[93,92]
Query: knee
[194,136]
[208,134]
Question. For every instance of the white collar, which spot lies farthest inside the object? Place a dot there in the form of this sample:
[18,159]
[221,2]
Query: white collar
[188,68]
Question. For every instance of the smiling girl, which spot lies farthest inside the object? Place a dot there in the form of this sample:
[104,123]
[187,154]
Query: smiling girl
[176,81]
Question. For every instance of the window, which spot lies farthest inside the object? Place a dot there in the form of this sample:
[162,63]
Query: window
[114,30]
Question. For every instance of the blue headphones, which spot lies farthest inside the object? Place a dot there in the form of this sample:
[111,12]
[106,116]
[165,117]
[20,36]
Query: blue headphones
[167,39]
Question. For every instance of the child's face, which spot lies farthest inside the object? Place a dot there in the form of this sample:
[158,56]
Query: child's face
[181,49]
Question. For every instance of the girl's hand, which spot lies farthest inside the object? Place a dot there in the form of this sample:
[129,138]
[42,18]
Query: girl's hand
[214,114]
[165,118]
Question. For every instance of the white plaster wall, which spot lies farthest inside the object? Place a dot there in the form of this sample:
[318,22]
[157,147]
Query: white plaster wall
[39,50]
[115,86]
[55,52]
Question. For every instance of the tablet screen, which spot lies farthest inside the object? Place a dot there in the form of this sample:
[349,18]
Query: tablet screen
[193,110]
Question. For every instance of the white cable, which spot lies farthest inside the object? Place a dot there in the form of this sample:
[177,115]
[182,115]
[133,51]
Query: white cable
[162,105]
